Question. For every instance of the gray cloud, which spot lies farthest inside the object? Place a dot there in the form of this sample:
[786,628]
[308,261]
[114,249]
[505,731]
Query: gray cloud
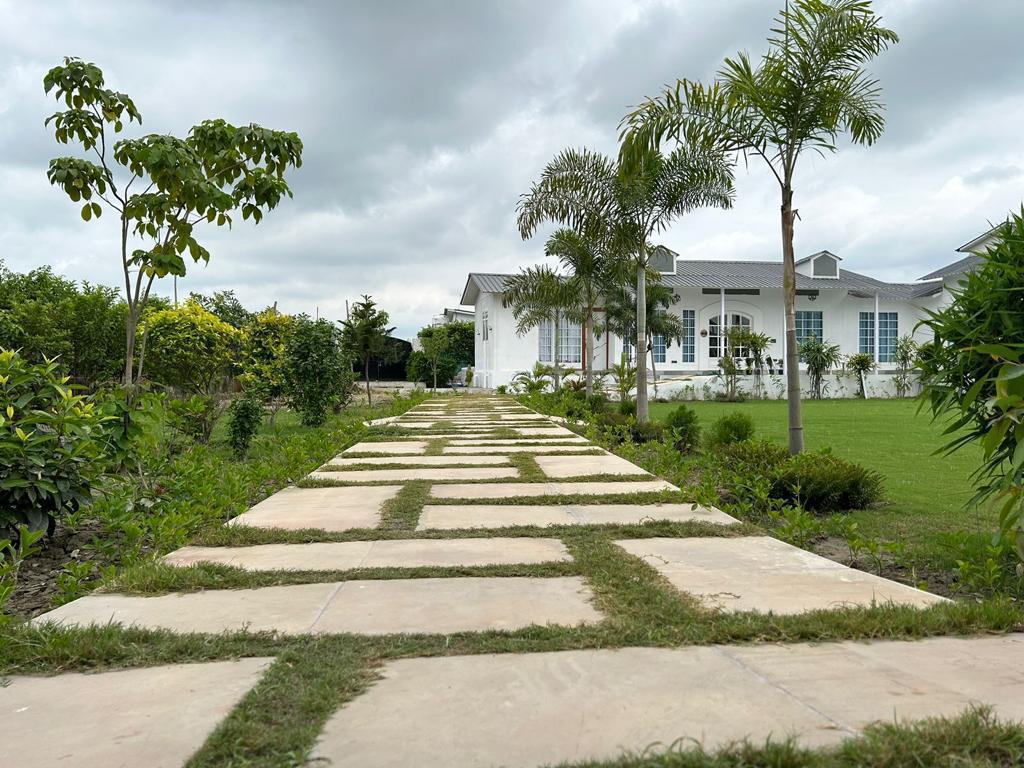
[423,122]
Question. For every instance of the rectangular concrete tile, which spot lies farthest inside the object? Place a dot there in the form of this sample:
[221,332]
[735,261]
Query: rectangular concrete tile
[450,517]
[398,553]
[759,573]
[461,450]
[155,717]
[399,475]
[518,440]
[396,447]
[577,466]
[528,710]
[331,509]
[288,609]
[513,490]
[463,604]
[544,431]
[420,461]
[481,711]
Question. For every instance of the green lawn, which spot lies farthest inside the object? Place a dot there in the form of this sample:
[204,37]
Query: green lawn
[926,494]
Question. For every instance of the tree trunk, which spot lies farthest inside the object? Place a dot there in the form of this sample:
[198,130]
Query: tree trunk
[796,428]
[435,379]
[641,339]
[366,374]
[590,354]
[131,327]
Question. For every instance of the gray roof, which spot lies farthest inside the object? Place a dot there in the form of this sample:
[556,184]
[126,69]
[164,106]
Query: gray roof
[960,267]
[743,275]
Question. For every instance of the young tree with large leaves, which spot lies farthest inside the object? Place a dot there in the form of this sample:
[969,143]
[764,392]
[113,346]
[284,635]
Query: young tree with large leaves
[364,336]
[624,205]
[588,273]
[539,295]
[808,88]
[161,188]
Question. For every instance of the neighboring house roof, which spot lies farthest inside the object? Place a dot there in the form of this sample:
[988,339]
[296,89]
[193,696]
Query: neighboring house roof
[959,267]
[743,275]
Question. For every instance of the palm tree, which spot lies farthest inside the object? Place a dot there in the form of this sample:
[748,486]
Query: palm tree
[538,295]
[620,318]
[808,88]
[625,205]
[588,274]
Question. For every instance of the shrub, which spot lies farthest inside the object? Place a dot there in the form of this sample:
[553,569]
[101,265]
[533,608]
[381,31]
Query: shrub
[597,403]
[684,428]
[648,432]
[195,417]
[627,407]
[757,457]
[265,354]
[860,365]
[821,482]
[820,357]
[318,376]
[731,428]
[49,452]
[501,389]
[189,348]
[244,417]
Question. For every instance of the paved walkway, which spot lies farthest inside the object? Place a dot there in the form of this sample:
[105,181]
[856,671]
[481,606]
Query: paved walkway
[498,476]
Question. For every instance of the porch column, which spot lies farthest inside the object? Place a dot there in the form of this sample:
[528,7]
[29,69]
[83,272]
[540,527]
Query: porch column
[721,324]
[877,333]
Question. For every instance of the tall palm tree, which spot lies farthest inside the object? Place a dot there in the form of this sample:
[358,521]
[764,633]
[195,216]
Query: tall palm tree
[538,295]
[808,88]
[586,264]
[624,205]
[620,318]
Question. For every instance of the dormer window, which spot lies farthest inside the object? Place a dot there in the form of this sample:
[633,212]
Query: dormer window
[822,265]
[662,260]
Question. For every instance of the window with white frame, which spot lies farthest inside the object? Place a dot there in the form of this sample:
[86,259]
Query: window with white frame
[688,346]
[658,348]
[734,320]
[866,333]
[570,342]
[888,333]
[809,323]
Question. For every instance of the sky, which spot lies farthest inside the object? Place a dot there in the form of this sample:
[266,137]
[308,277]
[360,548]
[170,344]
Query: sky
[424,121]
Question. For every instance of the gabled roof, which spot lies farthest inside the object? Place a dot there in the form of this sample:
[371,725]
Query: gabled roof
[805,259]
[959,267]
[749,275]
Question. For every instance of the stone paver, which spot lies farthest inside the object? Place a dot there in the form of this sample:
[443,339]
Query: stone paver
[397,553]
[543,431]
[513,490]
[154,717]
[432,605]
[759,573]
[332,509]
[419,461]
[520,710]
[519,440]
[461,450]
[449,517]
[577,466]
[412,473]
[395,447]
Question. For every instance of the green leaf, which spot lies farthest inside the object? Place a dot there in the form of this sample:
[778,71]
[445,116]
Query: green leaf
[86,212]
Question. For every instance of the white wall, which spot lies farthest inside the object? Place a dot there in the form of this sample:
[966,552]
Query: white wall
[506,353]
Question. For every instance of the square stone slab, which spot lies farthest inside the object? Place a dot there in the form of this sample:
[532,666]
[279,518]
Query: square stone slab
[518,440]
[759,573]
[412,473]
[487,710]
[155,717]
[330,509]
[418,461]
[398,553]
[395,447]
[450,517]
[461,450]
[513,490]
[378,607]
[577,466]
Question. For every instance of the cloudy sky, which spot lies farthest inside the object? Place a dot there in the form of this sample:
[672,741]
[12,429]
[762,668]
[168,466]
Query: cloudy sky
[424,120]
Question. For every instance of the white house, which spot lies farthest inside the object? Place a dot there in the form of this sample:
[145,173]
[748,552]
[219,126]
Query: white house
[857,312]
